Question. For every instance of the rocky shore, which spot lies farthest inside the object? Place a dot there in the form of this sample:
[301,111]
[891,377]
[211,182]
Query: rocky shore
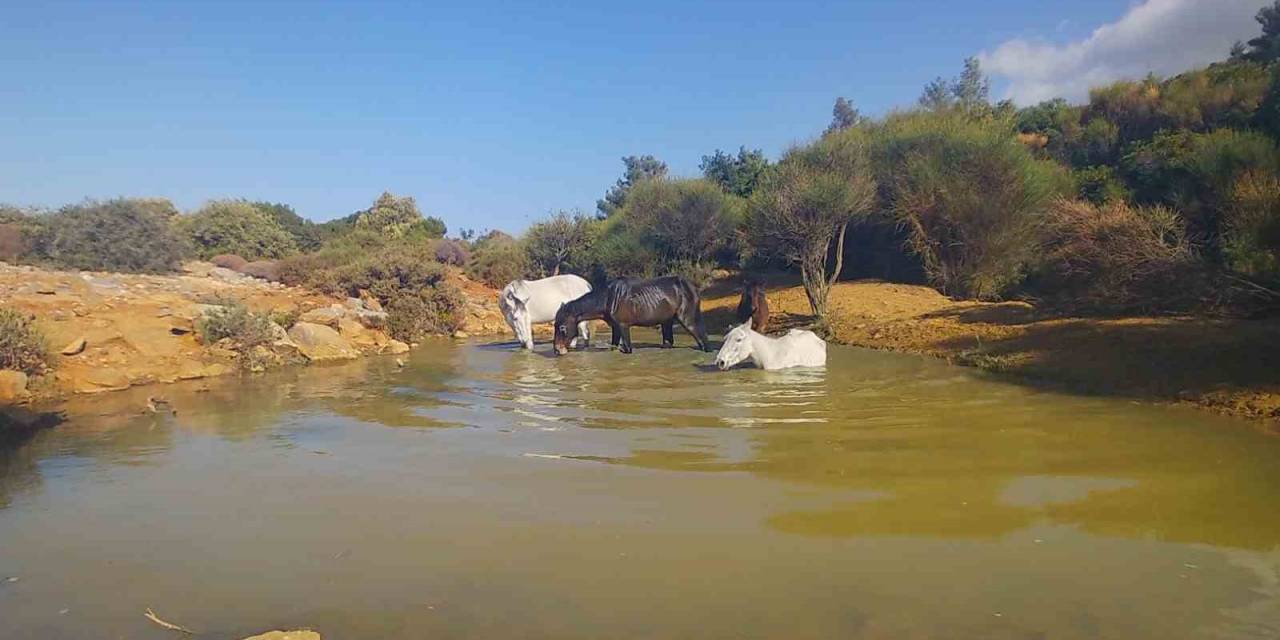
[110,331]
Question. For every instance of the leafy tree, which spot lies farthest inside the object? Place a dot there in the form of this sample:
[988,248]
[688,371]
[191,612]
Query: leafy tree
[638,169]
[235,227]
[115,235]
[684,221]
[843,116]
[969,92]
[807,202]
[561,242]
[1266,47]
[739,175]
[395,216]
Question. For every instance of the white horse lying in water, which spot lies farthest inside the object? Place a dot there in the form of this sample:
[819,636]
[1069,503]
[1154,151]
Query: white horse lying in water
[525,302]
[799,348]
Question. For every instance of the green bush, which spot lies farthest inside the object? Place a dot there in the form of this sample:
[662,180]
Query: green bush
[498,259]
[115,235]
[410,284]
[971,196]
[245,329]
[22,345]
[1252,227]
[1194,173]
[235,227]
[306,234]
[1100,185]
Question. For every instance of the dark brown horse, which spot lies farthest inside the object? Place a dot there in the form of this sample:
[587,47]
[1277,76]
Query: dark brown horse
[754,305]
[659,302]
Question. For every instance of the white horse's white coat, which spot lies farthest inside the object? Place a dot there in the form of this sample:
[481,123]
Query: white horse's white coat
[526,302]
[799,348]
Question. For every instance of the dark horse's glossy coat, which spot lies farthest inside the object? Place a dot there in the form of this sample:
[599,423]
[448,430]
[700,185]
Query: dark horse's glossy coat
[659,302]
[754,305]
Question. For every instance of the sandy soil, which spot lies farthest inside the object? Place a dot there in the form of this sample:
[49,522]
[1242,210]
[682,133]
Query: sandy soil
[1226,365]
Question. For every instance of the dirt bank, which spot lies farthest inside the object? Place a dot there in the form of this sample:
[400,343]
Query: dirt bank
[111,331]
[1230,366]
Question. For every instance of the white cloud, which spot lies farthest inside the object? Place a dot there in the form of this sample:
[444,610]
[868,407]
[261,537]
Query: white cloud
[1157,36]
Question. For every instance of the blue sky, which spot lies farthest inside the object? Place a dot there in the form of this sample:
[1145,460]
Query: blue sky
[490,114]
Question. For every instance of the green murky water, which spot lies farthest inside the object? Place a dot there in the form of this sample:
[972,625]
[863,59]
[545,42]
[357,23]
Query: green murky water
[486,493]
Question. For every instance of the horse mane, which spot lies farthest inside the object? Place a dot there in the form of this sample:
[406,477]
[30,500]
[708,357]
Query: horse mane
[588,301]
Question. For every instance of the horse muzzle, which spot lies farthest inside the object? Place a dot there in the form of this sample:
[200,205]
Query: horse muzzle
[561,350]
[724,366]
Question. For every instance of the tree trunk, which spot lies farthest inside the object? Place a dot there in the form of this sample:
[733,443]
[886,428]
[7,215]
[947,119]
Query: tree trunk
[835,274]
[556,271]
[813,274]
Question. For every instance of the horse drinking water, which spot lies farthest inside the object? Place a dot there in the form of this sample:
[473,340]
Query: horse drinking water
[659,302]
[799,348]
[525,302]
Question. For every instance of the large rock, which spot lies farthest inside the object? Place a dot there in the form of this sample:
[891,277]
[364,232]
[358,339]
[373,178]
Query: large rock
[395,347]
[13,386]
[366,339]
[319,343]
[328,316]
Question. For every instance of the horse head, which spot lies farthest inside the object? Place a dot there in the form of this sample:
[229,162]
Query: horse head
[566,330]
[736,348]
[513,301]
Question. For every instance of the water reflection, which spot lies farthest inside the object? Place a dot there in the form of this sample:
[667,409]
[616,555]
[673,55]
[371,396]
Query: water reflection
[885,496]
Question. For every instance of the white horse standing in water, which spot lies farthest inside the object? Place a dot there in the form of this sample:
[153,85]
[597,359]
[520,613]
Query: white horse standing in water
[525,302]
[799,348]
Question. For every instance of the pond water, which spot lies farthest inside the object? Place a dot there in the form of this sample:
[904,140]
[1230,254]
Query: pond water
[482,492]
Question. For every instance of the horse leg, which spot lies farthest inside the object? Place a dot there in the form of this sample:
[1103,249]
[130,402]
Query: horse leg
[626,338]
[616,333]
[692,322]
[668,334]
[584,334]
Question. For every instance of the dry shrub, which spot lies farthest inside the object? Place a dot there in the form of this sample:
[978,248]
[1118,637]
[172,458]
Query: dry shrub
[22,345]
[1115,257]
[12,243]
[229,261]
[268,270]
[451,252]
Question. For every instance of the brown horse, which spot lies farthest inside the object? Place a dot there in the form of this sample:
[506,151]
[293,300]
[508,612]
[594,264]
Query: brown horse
[661,302]
[754,305]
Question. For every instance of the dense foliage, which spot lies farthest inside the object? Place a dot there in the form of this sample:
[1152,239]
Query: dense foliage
[235,227]
[115,235]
